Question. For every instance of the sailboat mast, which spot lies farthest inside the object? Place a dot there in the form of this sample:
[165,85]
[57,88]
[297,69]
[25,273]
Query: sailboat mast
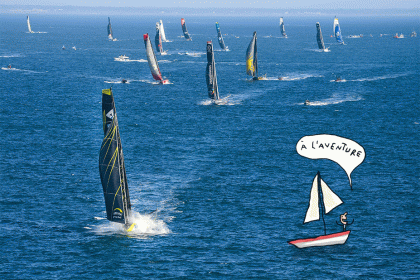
[320,199]
[255,56]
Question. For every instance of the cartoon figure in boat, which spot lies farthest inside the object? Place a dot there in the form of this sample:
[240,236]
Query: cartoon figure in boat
[343,221]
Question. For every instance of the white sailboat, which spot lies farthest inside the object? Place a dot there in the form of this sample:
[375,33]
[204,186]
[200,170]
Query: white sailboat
[322,199]
[162,31]
[29,25]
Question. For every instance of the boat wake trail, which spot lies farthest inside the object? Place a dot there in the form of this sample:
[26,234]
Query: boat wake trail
[226,101]
[21,70]
[379,78]
[336,99]
[297,77]
[146,225]
[132,60]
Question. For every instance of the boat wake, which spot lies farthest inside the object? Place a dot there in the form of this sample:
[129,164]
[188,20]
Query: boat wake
[339,81]
[146,225]
[226,101]
[164,61]
[11,55]
[337,98]
[297,77]
[192,54]
[117,82]
[21,70]
[379,78]
[132,60]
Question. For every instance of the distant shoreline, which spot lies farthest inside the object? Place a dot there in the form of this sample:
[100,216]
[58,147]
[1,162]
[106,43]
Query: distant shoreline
[227,12]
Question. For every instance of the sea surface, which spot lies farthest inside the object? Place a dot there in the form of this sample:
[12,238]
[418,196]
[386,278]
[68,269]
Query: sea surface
[226,185]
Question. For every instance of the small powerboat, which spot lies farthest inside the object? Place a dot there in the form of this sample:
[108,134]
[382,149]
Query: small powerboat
[121,58]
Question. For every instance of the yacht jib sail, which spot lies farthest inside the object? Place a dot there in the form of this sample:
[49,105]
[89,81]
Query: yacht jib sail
[337,31]
[110,34]
[111,165]
[322,200]
[319,38]
[211,78]
[282,30]
[151,58]
[251,58]
[220,37]
[162,31]
[29,25]
[158,39]
[184,29]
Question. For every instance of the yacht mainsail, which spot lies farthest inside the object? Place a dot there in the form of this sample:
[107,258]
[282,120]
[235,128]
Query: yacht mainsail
[158,39]
[282,30]
[211,78]
[251,58]
[319,38]
[111,165]
[151,58]
[110,35]
[220,37]
[162,31]
[184,29]
[29,25]
[337,31]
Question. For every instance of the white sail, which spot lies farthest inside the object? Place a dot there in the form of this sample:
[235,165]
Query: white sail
[331,200]
[162,31]
[312,214]
[29,25]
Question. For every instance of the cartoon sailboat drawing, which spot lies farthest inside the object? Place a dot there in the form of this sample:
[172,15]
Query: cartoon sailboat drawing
[322,199]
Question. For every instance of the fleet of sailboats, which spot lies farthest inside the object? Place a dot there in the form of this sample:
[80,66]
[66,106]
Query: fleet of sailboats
[282,30]
[322,200]
[112,167]
[337,32]
[151,58]
[29,25]
[220,38]
[184,30]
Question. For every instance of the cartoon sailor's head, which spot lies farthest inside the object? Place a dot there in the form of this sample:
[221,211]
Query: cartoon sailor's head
[343,218]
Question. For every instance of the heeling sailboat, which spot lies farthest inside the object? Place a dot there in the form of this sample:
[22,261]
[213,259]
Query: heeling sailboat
[151,58]
[211,78]
[29,25]
[162,31]
[220,38]
[322,199]
[184,30]
[251,59]
[158,40]
[337,32]
[110,35]
[112,167]
[319,38]
[282,30]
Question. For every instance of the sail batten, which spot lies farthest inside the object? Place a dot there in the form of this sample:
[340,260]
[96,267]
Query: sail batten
[184,30]
[251,57]
[319,37]
[151,58]
[211,78]
[220,37]
[111,164]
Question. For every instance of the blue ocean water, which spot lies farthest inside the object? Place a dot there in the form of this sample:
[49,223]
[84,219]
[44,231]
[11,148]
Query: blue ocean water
[228,185]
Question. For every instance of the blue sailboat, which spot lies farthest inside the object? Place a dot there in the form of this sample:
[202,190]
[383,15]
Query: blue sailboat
[337,32]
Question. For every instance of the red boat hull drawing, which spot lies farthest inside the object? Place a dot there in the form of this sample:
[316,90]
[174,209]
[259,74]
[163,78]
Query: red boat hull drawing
[323,240]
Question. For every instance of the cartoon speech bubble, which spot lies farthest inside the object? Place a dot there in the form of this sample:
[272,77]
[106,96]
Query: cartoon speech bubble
[345,152]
